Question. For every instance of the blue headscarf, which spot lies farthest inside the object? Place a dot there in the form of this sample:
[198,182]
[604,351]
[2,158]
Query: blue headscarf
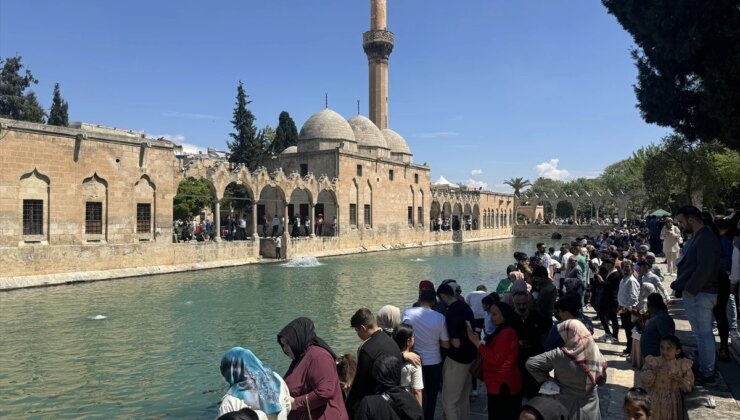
[246,374]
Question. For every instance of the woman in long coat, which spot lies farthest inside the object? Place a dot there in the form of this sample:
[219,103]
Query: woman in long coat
[312,376]
[579,367]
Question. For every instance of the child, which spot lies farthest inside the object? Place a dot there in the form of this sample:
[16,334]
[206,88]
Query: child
[411,378]
[637,405]
[346,369]
[666,377]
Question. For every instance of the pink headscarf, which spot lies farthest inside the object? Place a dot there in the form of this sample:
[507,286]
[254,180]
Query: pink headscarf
[580,346]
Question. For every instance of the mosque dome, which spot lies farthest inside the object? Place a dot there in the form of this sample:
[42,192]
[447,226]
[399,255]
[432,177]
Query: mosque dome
[367,133]
[395,142]
[326,125]
[289,150]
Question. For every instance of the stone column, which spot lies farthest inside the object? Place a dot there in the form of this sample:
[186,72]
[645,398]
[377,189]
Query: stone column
[217,222]
[312,218]
[255,235]
[287,219]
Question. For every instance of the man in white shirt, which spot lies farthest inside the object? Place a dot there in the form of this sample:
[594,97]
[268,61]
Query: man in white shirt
[474,300]
[430,335]
[627,298]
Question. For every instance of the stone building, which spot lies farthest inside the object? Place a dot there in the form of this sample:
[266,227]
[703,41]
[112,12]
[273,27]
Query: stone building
[89,202]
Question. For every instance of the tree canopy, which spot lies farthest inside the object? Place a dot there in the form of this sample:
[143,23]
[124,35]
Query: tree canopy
[193,195]
[58,115]
[688,64]
[517,184]
[15,102]
[286,134]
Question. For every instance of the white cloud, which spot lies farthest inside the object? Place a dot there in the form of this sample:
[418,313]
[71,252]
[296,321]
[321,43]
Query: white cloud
[471,183]
[550,170]
[175,138]
[437,134]
[179,139]
[475,172]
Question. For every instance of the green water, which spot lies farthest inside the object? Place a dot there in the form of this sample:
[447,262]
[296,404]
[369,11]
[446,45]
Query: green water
[157,353]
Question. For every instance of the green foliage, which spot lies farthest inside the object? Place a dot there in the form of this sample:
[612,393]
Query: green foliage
[193,195]
[688,64]
[236,198]
[286,134]
[14,102]
[683,172]
[58,115]
[248,146]
[517,184]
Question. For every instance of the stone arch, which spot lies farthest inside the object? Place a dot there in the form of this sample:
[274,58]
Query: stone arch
[145,208]
[420,208]
[435,212]
[457,213]
[34,206]
[476,217]
[95,204]
[467,222]
[410,203]
[327,213]
[273,203]
[354,202]
[299,211]
[368,205]
[237,210]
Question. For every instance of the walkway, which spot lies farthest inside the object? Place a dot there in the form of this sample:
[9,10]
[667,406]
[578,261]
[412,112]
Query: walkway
[621,377]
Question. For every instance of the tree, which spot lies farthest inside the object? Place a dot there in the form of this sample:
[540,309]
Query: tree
[193,195]
[517,184]
[286,134]
[59,107]
[247,146]
[683,172]
[688,64]
[14,102]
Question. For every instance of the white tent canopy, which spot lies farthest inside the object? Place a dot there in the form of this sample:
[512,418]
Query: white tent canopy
[443,181]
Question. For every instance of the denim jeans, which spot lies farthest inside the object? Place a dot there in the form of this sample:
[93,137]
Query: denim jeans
[699,312]
[732,312]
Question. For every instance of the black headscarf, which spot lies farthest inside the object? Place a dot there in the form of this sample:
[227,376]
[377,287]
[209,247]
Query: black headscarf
[387,374]
[300,335]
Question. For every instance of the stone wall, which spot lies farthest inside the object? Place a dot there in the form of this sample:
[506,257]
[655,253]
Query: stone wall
[568,232]
[37,260]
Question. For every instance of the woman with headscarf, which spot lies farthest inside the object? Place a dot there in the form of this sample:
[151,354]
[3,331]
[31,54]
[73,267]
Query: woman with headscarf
[253,385]
[579,366]
[312,375]
[499,355]
[388,318]
[390,401]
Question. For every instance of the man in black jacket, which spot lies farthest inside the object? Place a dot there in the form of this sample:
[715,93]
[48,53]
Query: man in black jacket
[376,343]
[698,269]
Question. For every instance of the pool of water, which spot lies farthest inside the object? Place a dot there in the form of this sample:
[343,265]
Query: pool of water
[150,347]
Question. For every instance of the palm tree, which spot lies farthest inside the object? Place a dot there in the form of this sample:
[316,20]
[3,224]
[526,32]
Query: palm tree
[518,184]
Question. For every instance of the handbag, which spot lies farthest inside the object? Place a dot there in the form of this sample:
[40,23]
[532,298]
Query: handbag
[476,368]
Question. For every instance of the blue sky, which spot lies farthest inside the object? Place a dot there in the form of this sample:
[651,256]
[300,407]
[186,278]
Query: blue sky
[482,90]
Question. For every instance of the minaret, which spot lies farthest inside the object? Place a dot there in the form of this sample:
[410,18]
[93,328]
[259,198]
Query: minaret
[378,45]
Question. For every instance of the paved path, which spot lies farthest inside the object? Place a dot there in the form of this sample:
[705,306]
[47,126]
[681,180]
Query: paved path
[621,377]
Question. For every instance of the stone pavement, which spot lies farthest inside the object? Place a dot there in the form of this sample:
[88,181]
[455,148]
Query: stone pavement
[621,377]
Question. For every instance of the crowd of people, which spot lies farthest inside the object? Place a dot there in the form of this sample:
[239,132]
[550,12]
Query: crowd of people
[527,344]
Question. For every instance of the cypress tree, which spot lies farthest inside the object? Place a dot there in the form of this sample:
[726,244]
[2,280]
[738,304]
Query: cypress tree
[247,147]
[58,114]
[286,134]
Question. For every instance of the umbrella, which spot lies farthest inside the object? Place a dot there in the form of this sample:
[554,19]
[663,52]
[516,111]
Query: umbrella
[660,213]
